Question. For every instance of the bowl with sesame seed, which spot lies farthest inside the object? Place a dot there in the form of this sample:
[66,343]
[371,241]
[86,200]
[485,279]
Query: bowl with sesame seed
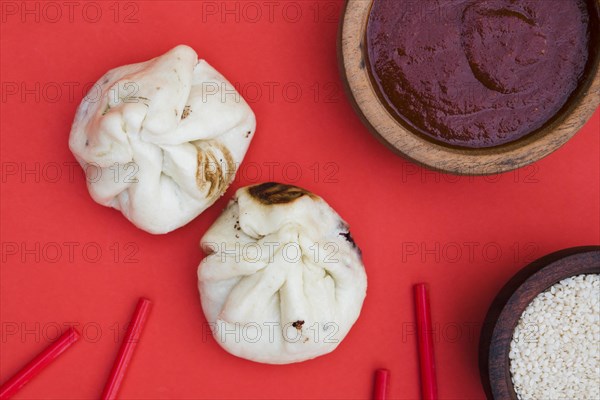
[541,336]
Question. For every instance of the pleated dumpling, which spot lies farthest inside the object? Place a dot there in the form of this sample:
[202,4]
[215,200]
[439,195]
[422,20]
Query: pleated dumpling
[161,140]
[283,280]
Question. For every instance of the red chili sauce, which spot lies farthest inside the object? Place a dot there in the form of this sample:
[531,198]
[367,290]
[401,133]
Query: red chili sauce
[477,73]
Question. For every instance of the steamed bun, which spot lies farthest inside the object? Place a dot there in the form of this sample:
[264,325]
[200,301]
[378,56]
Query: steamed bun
[161,140]
[282,281]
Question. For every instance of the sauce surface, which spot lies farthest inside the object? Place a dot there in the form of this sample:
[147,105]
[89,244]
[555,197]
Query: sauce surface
[477,73]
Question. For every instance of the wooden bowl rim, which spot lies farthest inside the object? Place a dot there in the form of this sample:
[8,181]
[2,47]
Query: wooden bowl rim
[462,161]
[510,303]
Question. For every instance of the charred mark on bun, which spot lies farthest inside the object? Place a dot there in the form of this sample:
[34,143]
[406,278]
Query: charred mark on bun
[349,238]
[277,193]
[298,324]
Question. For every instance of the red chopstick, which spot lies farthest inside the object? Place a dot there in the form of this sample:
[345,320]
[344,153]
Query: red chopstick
[130,341]
[425,339]
[40,362]
[382,377]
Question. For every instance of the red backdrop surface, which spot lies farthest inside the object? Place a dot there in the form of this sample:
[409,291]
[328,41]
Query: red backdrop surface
[66,259]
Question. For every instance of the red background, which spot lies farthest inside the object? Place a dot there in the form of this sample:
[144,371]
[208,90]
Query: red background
[465,236]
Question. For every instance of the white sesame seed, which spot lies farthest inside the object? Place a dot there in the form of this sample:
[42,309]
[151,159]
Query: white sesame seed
[555,349]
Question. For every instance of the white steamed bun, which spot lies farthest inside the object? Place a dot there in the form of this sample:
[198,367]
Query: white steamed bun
[161,140]
[282,281]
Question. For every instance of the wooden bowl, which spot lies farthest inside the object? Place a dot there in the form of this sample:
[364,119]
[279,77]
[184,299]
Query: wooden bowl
[446,158]
[511,302]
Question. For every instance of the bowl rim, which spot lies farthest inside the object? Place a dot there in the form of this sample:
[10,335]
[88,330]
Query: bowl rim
[362,94]
[510,303]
